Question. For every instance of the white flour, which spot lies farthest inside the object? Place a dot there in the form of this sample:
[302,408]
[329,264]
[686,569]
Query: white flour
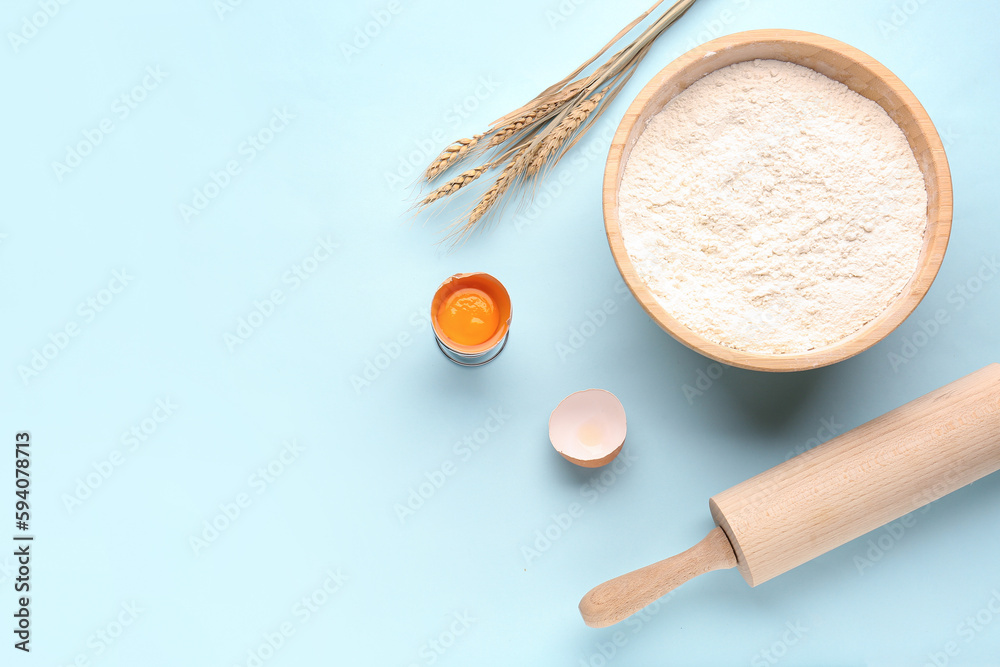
[772,209]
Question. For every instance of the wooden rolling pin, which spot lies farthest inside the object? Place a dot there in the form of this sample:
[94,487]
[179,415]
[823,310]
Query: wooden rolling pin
[831,494]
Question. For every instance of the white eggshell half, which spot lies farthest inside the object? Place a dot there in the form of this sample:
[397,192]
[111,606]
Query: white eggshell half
[588,427]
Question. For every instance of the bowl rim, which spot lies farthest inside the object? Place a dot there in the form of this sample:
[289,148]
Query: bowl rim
[936,234]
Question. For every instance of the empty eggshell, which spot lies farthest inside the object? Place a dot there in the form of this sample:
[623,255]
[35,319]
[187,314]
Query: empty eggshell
[588,427]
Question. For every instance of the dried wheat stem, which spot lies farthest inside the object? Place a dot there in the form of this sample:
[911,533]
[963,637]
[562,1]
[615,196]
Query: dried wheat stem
[527,141]
[450,156]
[564,130]
[456,184]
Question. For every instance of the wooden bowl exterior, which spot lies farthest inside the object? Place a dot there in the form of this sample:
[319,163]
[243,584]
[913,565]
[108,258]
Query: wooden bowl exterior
[840,62]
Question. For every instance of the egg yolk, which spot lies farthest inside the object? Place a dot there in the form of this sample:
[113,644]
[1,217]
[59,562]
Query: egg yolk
[469,316]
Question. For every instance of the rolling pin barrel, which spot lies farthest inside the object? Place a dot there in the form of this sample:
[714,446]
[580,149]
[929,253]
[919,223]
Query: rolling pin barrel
[831,494]
[863,479]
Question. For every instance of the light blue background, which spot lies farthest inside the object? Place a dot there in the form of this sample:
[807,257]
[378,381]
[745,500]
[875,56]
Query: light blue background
[329,173]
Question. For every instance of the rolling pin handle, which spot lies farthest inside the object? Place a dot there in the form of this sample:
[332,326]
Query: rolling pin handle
[615,600]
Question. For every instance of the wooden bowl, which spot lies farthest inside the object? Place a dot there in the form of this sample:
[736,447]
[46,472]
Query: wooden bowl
[859,72]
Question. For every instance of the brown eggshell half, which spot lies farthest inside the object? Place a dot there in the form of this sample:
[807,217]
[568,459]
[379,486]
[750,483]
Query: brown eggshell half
[588,427]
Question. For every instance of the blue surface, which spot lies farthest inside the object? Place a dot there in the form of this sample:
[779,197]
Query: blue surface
[319,561]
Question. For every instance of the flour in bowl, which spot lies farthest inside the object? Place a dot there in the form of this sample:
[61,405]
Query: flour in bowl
[772,209]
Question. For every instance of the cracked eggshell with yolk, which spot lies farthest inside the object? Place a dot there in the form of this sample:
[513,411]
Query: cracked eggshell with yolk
[588,427]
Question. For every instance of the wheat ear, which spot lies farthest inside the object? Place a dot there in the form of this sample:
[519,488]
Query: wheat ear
[564,130]
[456,184]
[510,173]
[507,131]
[450,156]
[508,126]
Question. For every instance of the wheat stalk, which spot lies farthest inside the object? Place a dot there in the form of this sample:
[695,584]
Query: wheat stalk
[534,137]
